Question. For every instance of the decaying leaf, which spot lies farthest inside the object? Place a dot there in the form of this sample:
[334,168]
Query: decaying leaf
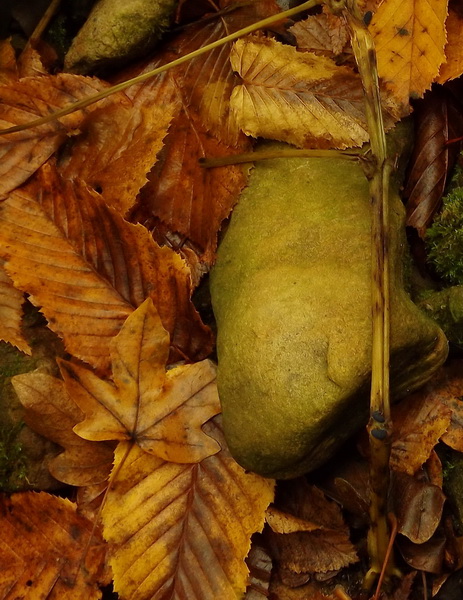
[161,411]
[409,37]
[438,119]
[42,544]
[428,557]
[453,67]
[182,530]
[187,198]
[22,153]
[325,32]
[419,422]
[118,147]
[88,268]
[325,549]
[300,98]
[418,506]
[259,563]
[8,67]
[11,301]
[51,413]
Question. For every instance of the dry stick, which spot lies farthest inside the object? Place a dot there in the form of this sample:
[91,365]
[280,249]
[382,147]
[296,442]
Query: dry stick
[144,76]
[379,426]
[247,157]
[43,23]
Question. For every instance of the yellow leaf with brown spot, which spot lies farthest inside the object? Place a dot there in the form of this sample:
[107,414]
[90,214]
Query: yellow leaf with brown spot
[409,37]
[162,411]
[182,530]
[453,67]
[296,97]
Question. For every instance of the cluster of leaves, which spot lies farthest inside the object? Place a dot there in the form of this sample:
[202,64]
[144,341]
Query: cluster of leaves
[107,223]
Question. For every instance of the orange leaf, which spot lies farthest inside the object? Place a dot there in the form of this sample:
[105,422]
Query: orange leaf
[409,36]
[22,153]
[88,268]
[161,411]
[42,544]
[8,68]
[11,301]
[419,421]
[182,530]
[118,147]
[186,197]
[52,414]
[453,67]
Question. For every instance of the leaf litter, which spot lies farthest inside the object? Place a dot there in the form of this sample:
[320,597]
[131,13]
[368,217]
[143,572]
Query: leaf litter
[176,501]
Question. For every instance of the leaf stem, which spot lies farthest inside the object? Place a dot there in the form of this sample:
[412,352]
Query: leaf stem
[175,63]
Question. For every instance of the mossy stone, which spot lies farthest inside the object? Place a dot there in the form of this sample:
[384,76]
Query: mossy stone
[291,294]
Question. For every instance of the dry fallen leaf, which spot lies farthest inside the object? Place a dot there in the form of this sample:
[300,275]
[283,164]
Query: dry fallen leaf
[118,147]
[41,549]
[182,530]
[88,268]
[409,37]
[259,563]
[22,153]
[324,549]
[453,67]
[161,411]
[325,32]
[51,413]
[296,97]
[419,421]
[8,67]
[11,301]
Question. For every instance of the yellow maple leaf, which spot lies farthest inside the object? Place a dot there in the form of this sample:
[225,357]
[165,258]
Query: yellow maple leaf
[161,411]
[409,37]
[182,530]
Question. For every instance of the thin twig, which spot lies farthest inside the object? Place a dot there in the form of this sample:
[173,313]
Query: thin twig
[43,23]
[247,157]
[379,426]
[175,63]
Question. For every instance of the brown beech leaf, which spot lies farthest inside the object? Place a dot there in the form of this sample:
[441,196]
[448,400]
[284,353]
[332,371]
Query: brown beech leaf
[11,301]
[161,411]
[259,563]
[296,97]
[438,118]
[418,507]
[453,67]
[88,269]
[428,557]
[51,413]
[118,147]
[419,422]
[185,197]
[409,37]
[22,153]
[42,544]
[325,33]
[182,530]
[326,549]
